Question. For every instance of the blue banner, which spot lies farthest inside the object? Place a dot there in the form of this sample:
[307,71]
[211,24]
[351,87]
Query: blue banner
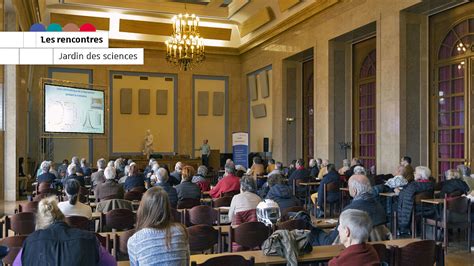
[240,148]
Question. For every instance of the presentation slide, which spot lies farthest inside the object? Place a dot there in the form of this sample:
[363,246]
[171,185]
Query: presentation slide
[73,110]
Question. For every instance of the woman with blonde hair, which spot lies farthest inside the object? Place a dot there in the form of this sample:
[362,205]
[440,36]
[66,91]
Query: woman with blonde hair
[454,184]
[55,243]
[158,239]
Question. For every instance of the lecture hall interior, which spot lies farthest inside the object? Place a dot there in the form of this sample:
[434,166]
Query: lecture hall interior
[248,119]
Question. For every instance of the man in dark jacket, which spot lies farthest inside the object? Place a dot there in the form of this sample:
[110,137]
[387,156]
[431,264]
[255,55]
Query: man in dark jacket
[331,177]
[71,174]
[360,189]
[314,167]
[162,181]
[46,176]
[280,193]
[454,184]
[187,189]
[355,162]
[110,189]
[175,176]
[407,195]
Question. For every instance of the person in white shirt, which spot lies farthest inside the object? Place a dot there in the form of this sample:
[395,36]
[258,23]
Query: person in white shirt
[245,201]
[74,207]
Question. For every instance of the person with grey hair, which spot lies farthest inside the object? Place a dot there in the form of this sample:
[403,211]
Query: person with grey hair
[228,183]
[200,178]
[354,229]
[278,169]
[175,176]
[363,200]
[359,170]
[162,177]
[98,177]
[346,165]
[406,196]
[86,170]
[466,175]
[454,185]
[46,176]
[323,170]
[110,189]
[313,168]
[75,160]
[148,168]
[245,203]
[71,174]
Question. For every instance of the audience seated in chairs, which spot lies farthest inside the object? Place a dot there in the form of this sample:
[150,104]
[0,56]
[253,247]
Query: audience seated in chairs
[346,165]
[77,163]
[332,176]
[454,184]
[175,176]
[243,206]
[354,229]
[110,189]
[323,170]
[98,177]
[229,182]
[409,172]
[86,170]
[280,192]
[46,176]
[361,192]
[72,174]
[134,179]
[257,168]
[158,240]
[55,243]
[187,189]
[354,162]
[73,207]
[200,178]
[407,195]
[299,173]
[161,176]
[466,176]
[313,168]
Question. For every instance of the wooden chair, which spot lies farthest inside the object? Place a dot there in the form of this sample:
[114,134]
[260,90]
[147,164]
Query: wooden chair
[14,244]
[419,253]
[331,187]
[30,206]
[43,187]
[202,214]
[188,203]
[230,193]
[84,195]
[385,255]
[178,216]
[79,222]
[118,219]
[133,195]
[459,207]
[22,223]
[120,244]
[203,237]
[285,212]
[222,202]
[417,201]
[248,235]
[228,260]
[139,189]
[104,241]
[292,225]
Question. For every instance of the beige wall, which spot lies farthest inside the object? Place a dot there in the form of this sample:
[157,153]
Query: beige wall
[128,130]
[209,127]
[261,127]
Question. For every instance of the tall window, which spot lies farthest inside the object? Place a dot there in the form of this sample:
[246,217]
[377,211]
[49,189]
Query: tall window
[364,112]
[455,58]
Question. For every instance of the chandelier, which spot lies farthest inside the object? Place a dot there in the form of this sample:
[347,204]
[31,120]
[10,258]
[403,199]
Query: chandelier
[185,47]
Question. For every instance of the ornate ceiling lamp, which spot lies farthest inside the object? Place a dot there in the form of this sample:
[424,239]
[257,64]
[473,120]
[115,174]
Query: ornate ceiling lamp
[185,47]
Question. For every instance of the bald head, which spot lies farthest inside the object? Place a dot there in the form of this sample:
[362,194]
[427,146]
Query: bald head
[359,184]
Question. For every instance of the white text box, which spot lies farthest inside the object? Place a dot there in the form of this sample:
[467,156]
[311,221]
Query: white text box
[29,56]
[12,39]
[99,39]
[9,56]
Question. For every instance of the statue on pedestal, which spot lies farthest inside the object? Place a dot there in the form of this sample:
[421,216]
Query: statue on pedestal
[148,145]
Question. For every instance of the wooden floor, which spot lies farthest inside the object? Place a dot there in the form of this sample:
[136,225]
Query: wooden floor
[458,253]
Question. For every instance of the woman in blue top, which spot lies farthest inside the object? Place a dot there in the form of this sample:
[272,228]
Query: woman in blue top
[158,240]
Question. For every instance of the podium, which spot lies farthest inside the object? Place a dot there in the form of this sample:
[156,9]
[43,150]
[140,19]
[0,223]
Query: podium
[215,159]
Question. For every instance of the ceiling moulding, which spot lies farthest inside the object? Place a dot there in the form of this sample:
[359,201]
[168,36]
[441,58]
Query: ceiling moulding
[256,21]
[155,6]
[287,4]
[166,29]
[283,26]
[160,46]
[100,23]
[236,5]
[28,12]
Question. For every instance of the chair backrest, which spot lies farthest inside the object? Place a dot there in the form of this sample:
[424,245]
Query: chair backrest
[30,206]
[458,204]
[177,216]
[22,223]
[249,235]
[108,198]
[120,242]
[84,195]
[188,203]
[228,260]
[202,214]
[222,202]
[139,189]
[332,187]
[245,217]
[429,194]
[43,187]
[419,253]
[292,225]
[133,195]
[455,193]
[230,193]
[202,237]
[104,240]
[14,244]
[285,212]
[383,253]
[119,219]
[79,222]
